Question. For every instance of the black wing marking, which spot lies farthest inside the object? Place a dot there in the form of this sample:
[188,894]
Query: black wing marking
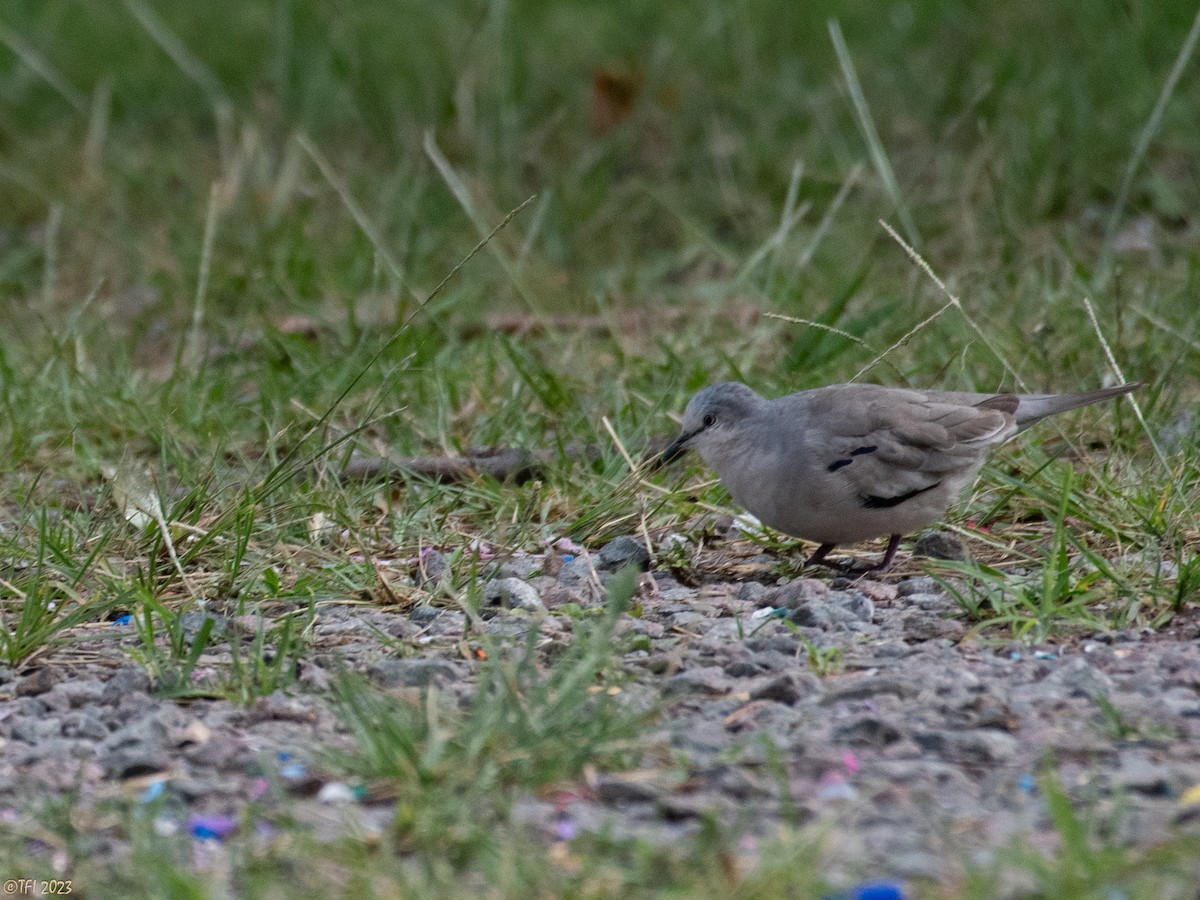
[858,451]
[872,502]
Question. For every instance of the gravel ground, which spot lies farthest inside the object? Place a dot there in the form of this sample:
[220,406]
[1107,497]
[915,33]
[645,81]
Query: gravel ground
[917,747]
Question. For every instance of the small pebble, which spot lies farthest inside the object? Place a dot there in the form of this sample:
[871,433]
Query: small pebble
[212,828]
[336,792]
[514,594]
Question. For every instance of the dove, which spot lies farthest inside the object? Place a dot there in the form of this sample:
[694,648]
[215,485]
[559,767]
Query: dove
[849,462]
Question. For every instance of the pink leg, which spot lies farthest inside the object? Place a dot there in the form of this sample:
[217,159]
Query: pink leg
[889,556]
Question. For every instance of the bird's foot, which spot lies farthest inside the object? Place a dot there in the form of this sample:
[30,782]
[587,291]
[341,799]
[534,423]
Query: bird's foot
[889,556]
[818,557]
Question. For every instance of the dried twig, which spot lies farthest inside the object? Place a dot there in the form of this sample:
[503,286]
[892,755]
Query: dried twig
[501,463]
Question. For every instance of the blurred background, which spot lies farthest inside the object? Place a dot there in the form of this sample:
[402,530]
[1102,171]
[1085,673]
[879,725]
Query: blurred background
[694,168]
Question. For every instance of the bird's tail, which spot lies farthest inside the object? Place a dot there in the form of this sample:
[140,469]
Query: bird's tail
[1035,407]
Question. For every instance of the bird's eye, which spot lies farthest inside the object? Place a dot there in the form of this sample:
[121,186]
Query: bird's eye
[709,420]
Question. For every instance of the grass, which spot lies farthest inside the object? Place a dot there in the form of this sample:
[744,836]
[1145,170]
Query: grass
[224,250]
[1090,862]
[454,773]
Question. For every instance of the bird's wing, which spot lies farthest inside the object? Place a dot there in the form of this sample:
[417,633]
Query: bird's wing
[891,445]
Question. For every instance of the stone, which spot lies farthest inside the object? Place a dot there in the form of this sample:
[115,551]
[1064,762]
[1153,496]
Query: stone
[822,608]
[514,594]
[336,792]
[393,673]
[742,668]
[787,688]
[37,731]
[194,788]
[278,708]
[137,749]
[85,724]
[787,644]
[820,614]
[39,682]
[80,692]
[921,626]
[937,603]
[934,544]
[432,568]
[621,552]
[423,614]
[582,595]
[616,789]
[511,626]
[225,751]
[980,745]
[682,807]
[677,594]
[522,567]
[685,620]
[576,573]
[709,680]
[867,731]
[1077,678]
[1142,776]
[920,585]
[877,591]
[855,603]
[743,784]
[871,686]
[702,738]
[893,650]
[794,593]
[125,681]
[751,591]
[192,622]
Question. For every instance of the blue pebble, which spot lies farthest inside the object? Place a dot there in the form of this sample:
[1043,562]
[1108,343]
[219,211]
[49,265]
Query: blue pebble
[878,890]
[872,890]
[153,791]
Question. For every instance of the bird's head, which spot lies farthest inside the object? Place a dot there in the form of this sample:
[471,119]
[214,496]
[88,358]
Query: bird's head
[711,420]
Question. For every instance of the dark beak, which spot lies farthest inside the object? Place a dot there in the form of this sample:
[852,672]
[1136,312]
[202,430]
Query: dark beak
[674,450]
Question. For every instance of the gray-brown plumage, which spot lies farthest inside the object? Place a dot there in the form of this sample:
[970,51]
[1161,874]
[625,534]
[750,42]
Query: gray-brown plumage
[846,463]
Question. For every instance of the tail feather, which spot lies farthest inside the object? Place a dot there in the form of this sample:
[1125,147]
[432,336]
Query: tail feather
[1035,407]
